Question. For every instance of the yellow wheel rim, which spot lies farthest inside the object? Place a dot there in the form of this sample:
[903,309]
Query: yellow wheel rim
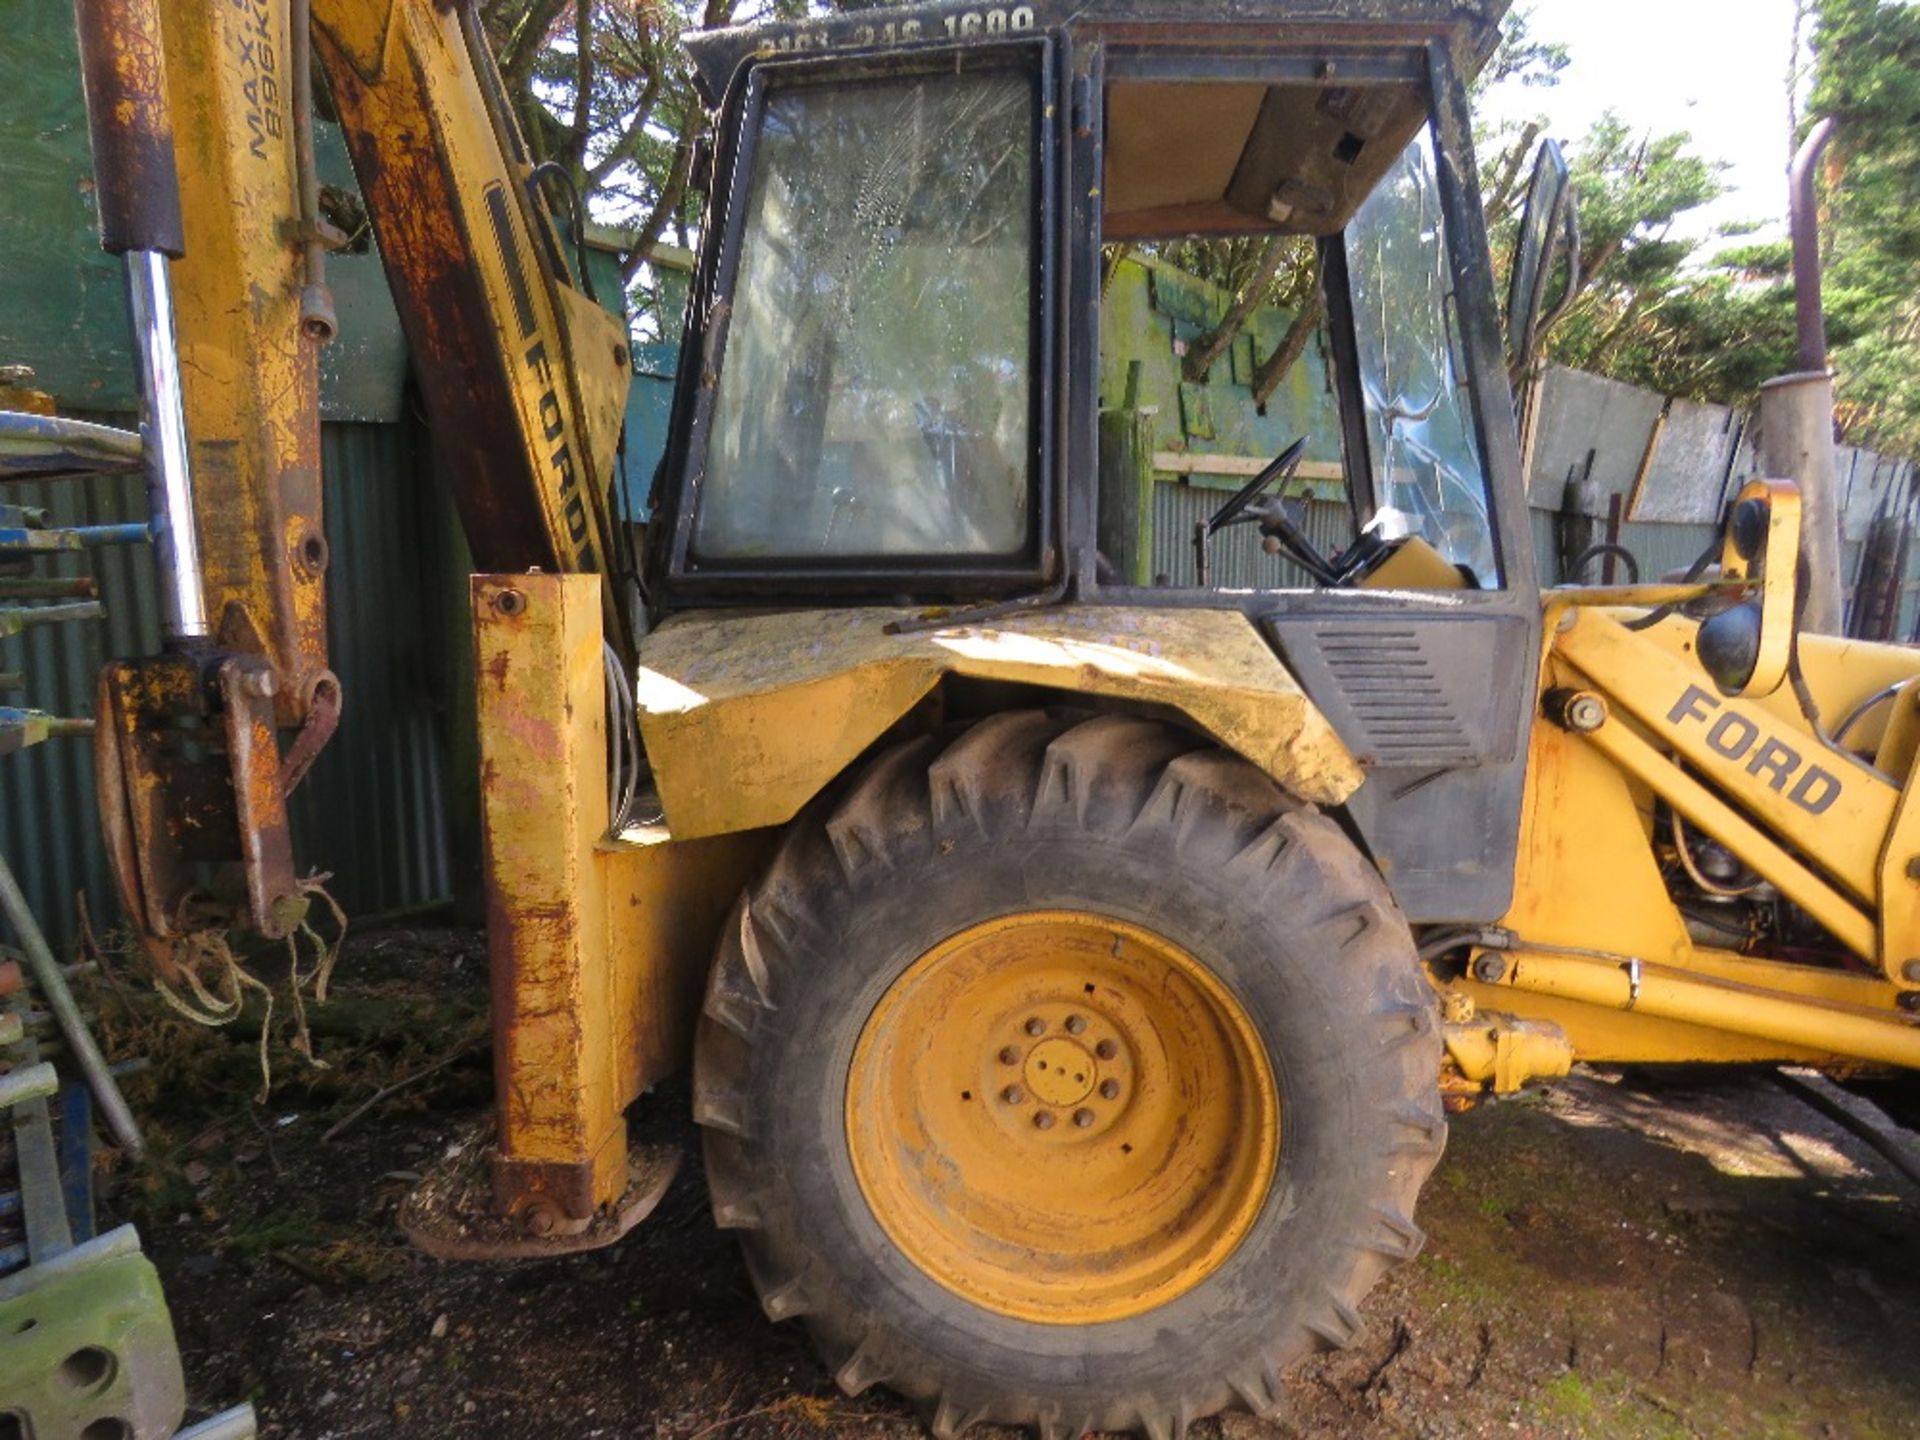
[1062,1118]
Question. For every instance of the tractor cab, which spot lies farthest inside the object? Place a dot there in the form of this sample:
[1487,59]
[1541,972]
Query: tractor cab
[981,320]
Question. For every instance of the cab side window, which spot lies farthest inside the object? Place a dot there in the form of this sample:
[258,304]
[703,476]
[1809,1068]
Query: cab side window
[876,398]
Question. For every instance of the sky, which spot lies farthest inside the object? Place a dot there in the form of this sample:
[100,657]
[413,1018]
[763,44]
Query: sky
[1715,68]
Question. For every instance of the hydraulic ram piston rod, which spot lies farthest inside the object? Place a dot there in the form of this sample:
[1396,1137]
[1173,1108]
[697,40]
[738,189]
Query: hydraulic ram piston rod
[176,544]
[137,192]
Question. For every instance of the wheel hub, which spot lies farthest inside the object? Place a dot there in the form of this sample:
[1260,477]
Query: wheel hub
[1061,1072]
[1062,1117]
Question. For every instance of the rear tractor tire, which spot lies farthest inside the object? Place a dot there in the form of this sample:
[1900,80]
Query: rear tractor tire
[1066,1073]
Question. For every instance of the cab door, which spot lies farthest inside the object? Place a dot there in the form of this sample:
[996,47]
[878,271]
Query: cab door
[1364,168]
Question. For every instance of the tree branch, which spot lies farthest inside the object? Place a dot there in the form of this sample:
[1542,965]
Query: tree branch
[622,149]
[1216,342]
[671,194]
[517,53]
[582,86]
[1502,195]
[1590,271]
[1276,366]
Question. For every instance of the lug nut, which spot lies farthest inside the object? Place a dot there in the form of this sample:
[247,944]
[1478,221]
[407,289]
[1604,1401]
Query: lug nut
[1083,1118]
[1009,1056]
[1075,1024]
[1043,1121]
[1106,1049]
[1013,1094]
[1109,1089]
[1036,1026]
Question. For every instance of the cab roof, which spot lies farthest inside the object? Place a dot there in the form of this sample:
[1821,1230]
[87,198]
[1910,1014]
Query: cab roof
[1240,153]
[1470,26]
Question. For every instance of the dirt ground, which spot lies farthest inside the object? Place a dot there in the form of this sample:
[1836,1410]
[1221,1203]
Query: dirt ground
[1627,1255]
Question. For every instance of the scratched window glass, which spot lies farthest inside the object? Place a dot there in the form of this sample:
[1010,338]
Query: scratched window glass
[1426,459]
[874,396]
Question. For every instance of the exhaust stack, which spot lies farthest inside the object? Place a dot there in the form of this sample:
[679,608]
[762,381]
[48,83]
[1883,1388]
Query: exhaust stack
[1796,411]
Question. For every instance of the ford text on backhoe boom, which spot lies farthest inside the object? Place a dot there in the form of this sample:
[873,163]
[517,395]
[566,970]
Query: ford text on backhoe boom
[1072,953]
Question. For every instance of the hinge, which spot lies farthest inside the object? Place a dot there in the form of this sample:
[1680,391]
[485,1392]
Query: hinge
[1082,106]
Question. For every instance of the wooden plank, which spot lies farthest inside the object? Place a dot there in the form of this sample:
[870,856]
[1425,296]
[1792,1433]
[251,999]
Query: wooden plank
[1184,462]
[1126,494]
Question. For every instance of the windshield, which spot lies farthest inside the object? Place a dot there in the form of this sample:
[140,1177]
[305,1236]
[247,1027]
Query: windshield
[875,392]
[1425,458]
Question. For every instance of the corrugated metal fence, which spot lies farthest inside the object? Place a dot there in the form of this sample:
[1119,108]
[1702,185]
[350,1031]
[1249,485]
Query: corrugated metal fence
[375,808]
[1664,546]
[1235,556]
[1672,464]
[1660,547]
[1239,563]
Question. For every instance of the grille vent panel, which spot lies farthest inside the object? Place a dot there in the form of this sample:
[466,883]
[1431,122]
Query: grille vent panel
[1425,694]
[1402,710]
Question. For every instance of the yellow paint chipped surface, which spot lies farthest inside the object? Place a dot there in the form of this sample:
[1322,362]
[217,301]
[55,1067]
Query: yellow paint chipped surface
[747,717]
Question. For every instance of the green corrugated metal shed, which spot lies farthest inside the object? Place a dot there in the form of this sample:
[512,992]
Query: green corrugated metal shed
[375,810]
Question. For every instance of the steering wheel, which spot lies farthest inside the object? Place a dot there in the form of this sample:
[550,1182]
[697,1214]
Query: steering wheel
[1276,525]
[1280,469]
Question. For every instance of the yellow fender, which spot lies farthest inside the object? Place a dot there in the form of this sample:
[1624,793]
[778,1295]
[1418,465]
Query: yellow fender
[747,717]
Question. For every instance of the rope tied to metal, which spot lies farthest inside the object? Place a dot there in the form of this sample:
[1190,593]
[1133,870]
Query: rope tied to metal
[216,984]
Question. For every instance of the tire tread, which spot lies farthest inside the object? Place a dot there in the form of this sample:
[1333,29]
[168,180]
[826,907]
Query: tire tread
[1112,773]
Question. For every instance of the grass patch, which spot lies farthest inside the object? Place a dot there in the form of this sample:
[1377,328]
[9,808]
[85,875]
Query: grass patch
[1605,1407]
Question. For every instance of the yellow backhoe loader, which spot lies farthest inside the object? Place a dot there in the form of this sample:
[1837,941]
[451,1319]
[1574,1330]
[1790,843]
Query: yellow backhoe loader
[1073,968]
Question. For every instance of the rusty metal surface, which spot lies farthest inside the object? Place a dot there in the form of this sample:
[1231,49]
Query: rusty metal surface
[323,719]
[542,726]
[450,1214]
[375,810]
[189,789]
[249,373]
[531,383]
[259,801]
[162,817]
[123,64]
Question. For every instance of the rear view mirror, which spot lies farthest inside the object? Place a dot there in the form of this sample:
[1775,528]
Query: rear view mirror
[1549,224]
